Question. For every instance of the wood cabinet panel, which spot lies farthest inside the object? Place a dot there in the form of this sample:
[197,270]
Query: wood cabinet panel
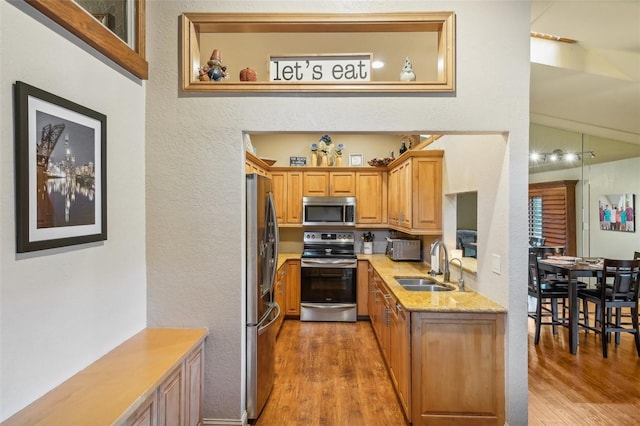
[401,356]
[362,291]
[194,373]
[427,193]
[171,399]
[316,184]
[293,287]
[287,196]
[465,349]
[371,197]
[342,184]
[279,186]
[146,415]
[294,197]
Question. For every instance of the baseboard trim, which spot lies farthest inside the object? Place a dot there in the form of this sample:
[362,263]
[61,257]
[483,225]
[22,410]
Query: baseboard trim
[226,422]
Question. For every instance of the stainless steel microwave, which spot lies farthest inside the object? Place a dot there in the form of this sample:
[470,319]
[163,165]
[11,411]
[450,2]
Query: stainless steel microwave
[329,211]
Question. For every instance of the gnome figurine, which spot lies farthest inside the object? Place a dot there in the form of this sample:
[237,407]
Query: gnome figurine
[407,73]
[216,71]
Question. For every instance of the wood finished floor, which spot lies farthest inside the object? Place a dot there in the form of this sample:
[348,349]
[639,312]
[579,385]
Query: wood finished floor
[582,389]
[333,374]
[330,374]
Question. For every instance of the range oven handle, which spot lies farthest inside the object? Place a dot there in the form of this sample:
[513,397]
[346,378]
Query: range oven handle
[326,263]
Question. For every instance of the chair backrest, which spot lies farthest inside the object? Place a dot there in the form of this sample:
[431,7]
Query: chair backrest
[544,252]
[636,255]
[620,280]
[534,273]
[536,241]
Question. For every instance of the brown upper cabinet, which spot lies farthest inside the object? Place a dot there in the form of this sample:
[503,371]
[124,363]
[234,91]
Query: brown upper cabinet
[319,52]
[329,184]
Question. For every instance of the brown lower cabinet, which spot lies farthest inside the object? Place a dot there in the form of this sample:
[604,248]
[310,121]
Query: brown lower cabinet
[447,367]
[293,287]
[155,378]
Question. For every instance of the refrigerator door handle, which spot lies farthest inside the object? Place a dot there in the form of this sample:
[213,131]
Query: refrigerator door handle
[274,220]
[261,326]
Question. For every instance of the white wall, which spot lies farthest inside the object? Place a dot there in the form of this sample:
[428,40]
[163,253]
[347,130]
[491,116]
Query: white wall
[195,163]
[62,309]
[465,169]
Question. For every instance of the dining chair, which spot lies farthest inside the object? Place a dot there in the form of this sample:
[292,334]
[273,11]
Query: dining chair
[557,279]
[536,241]
[547,295]
[618,289]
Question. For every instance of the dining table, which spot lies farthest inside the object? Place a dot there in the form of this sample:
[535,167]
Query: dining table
[573,268]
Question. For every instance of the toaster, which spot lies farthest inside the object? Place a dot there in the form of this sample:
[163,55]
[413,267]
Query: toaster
[402,249]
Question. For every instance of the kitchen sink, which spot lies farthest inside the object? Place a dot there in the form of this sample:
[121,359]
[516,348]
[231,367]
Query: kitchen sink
[423,284]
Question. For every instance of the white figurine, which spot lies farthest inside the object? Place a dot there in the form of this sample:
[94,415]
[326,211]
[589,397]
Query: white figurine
[407,73]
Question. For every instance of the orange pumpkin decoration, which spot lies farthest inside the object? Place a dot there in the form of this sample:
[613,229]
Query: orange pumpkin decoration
[248,74]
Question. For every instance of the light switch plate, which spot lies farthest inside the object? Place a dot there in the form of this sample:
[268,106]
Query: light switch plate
[496,261]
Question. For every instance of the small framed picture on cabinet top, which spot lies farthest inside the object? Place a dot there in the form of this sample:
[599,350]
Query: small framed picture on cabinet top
[356,160]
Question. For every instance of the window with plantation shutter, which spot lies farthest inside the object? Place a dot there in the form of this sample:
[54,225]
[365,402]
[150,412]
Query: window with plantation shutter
[535,217]
[552,213]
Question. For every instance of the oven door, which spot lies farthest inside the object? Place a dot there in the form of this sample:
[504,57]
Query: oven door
[330,283]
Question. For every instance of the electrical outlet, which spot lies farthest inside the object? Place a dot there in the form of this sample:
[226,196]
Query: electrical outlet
[496,263]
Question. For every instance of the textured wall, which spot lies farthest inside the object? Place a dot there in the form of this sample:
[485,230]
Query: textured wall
[62,309]
[195,197]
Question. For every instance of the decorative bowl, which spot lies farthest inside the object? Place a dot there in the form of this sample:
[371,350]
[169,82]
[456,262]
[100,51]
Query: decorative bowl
[380,162]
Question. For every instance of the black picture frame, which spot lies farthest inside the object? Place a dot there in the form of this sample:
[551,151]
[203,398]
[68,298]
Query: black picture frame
[60,171]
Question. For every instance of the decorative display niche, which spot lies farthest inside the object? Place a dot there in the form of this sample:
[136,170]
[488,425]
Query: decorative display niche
[342,49]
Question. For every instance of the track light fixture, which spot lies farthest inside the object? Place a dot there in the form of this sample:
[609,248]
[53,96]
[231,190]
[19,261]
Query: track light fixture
[557,155]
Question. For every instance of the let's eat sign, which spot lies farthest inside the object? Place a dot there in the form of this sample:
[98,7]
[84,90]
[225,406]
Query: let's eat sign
[335,68]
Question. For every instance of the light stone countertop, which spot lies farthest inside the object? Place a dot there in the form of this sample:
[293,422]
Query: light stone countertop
[421,301]
[427,301]
[282,257]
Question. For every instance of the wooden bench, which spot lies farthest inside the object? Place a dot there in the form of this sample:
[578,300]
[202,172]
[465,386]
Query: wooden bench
[155,377]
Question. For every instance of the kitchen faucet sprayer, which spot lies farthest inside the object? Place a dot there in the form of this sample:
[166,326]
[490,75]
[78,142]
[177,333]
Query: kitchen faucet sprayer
[436,246]
[460,280]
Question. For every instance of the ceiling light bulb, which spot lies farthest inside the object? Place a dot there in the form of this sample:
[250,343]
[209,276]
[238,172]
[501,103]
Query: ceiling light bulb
[570,156]
[377,65]
[534,156]
[554,157]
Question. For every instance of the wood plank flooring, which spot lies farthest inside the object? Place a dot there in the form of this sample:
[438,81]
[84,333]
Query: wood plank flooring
[330,373]
[333,374]
[582,389]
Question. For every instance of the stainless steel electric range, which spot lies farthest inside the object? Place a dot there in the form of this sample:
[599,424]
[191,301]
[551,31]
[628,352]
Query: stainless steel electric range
[328,277]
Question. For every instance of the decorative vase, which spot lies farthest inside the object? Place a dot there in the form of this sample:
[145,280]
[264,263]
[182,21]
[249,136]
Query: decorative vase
[339,161]
[324,161]
[314,159]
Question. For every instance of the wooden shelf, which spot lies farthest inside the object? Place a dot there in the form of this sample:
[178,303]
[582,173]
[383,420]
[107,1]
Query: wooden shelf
[232,34]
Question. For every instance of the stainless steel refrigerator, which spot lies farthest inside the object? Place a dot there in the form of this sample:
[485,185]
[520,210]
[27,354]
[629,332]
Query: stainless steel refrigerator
[262,310]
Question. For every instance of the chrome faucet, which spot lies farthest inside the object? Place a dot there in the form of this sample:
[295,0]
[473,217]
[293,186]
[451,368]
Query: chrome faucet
[460,280]
[436,246]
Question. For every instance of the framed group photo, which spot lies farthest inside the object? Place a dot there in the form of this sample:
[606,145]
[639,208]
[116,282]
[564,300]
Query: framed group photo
[617,212]
[60,158]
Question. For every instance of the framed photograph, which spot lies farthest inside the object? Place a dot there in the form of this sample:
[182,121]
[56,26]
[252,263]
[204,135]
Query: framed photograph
[617,212]
[356,160]
[61,171]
